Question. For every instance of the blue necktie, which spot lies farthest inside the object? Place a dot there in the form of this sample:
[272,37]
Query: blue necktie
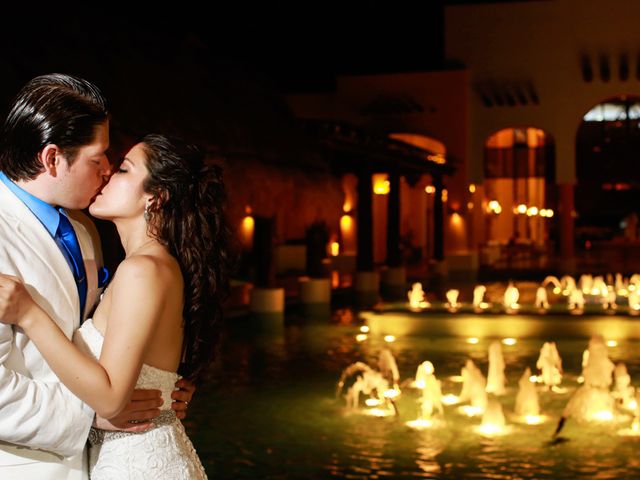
[68,238]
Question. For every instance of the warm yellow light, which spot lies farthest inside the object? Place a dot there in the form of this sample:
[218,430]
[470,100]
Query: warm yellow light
[509,341]
[372,402]
[534,419]
[381,184]
[420,423]
[494,207]
[246,230]
[346,223]
[430,189]
[392,393]
[490,429]
[612,343]
[557,290]
[549,213]
[382,188]
[419,384]
[378,412]
[456,378]
[445,195]
[532,211]
[522,209]
[603,416]
[361,337]
[335,249]
[470,205]
[437,158]
[389,338]
[472,340]
[364,329]
[450,399]
[335,279]
[470,411]
[472,188]
[535,379]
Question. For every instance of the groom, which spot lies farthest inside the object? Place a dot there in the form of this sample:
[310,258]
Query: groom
[53,157]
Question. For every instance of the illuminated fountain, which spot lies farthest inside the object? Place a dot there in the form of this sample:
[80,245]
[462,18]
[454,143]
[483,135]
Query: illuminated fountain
[585,283]
[493,422]
[452,300]
[371,384]
[550,365]
[417,298]
[575,302]
[479,305]
[609,299]
[593,400]
[568,285]
[623,391]
[379,388]
[431,398]
[510,300]
[557,286]
[389,368]
[496,379]
[541,302]
[473,390]
[599,287]
[527,406]
[633,299]
[621,286]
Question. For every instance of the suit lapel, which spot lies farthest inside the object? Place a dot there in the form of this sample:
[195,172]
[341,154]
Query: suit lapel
[36,238]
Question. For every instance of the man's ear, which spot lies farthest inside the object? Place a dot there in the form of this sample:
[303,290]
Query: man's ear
[50,158]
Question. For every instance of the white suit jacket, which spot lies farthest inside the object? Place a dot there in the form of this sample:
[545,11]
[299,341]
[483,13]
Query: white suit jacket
[43,426]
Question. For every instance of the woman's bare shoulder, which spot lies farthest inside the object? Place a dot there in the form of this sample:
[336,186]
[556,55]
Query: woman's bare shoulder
[158,270]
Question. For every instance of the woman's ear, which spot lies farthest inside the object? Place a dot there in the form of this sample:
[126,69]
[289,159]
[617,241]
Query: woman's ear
[50,157]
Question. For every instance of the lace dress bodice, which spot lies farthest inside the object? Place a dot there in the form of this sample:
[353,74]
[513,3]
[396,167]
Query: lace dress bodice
[163,452]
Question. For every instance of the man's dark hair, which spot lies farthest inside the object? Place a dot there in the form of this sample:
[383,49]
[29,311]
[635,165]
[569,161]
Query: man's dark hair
[55,109]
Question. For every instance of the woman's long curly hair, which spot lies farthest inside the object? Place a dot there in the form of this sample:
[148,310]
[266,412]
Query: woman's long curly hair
[187,215]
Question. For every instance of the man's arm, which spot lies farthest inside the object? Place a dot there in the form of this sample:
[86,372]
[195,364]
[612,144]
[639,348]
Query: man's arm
[37,414]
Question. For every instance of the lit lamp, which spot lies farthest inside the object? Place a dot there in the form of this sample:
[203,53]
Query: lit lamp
[381,184]
[494,207]
[347,232]
[247,228]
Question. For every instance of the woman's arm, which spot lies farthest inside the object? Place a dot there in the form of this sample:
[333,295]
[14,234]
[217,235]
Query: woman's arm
[138,293]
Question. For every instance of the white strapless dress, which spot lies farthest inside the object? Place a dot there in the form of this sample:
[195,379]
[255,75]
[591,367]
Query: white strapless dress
[163,452]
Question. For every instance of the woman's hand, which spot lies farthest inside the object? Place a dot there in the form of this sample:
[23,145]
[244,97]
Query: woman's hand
[16,304]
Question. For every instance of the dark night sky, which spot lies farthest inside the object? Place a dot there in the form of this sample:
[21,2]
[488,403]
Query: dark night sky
[298,45]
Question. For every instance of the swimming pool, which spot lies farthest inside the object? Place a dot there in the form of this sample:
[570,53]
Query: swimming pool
[270,408]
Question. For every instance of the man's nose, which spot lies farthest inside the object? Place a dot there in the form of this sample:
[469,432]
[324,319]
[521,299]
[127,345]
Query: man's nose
[105,169]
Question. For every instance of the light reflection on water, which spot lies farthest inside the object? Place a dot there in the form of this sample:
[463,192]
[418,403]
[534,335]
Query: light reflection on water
[269,411]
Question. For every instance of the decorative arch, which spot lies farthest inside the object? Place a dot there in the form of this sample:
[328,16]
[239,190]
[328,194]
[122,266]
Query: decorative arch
[519,186]
[422,141]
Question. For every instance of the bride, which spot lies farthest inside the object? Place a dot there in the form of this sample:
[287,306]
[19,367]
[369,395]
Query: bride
[160,310]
